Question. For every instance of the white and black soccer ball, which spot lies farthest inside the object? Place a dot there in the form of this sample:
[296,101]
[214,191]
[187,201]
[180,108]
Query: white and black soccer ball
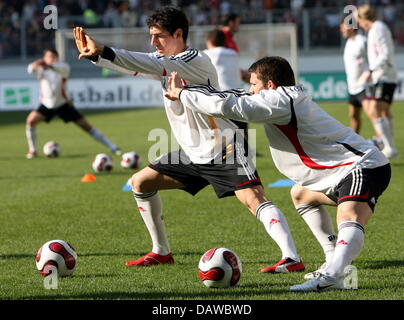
[102,162]
[219,268]
[51,149]
[130,160]
[59,254]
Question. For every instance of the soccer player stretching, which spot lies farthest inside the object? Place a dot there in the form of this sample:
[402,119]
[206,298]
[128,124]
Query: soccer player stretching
[52,75]
[203,159]
[331,164]
[381,76]
[355,63]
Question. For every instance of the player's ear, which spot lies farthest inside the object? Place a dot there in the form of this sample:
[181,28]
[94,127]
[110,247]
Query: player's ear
[178,33]
[271,85]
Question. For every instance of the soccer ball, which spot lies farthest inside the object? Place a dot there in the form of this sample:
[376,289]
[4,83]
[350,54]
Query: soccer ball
[130,160]
[219,268]
[51,149]
[102,162]
[56,253]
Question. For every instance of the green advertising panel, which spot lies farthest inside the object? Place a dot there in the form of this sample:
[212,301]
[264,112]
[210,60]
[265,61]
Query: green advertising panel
[325,86]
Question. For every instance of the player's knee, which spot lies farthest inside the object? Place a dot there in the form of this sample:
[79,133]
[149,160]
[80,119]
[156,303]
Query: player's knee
[297,194]
[136,182]
[30,122]
[140,183]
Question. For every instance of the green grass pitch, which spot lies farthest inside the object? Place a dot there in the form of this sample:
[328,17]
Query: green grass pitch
[43,199]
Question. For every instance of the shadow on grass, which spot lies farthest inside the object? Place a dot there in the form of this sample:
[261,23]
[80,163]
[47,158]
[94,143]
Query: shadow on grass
[206,294]
[17,256]
[13,117]
[381,264]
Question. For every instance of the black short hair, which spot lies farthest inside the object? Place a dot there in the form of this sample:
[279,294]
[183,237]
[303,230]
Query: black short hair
[229,17]
[170,19]
[53,50]
[217,38]
[274,68]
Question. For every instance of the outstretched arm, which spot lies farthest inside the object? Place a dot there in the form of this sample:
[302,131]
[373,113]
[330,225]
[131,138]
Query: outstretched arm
[232,104]
[123,61]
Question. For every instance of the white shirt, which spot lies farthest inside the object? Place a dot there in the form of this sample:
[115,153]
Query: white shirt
[199,135]
[307,144]
[355,62]
[381,53]
[52,84]
[227,64]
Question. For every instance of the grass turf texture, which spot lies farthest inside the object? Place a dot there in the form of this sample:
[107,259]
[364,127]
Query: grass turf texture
[43,199]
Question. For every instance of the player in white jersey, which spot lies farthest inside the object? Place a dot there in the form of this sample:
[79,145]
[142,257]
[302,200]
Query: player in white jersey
[52,75]
[381,76]
[331,164]
[203,159]
[225,60]
[227,65]
[355,65]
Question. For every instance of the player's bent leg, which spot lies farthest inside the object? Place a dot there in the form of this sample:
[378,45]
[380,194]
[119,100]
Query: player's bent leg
[301,195]
[309,205]
[145,185]
[276,225]
[355,118]
[32,120]
[149,180]
[375,110]
[97,135]
[252,197]
[351,218]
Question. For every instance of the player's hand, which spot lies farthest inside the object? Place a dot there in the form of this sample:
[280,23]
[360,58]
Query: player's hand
[365,77]
[86,46]
[175,87]
[38,63]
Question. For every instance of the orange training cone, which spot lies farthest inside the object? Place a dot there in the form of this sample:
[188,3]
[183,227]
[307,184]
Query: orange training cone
[88,177]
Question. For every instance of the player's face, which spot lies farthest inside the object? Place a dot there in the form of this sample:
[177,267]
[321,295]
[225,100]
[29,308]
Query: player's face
[165,43]
[235,25]
[256,84]
[49,57]
[363,24]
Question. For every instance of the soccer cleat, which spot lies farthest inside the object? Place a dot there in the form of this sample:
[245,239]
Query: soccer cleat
[285,265]
[319,283]
[151,259]
[31,155]
[315,273]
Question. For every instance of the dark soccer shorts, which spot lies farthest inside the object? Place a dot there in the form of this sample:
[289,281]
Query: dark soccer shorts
[356,99]
[363,185]
[67,112]
[225,177]
[382,91]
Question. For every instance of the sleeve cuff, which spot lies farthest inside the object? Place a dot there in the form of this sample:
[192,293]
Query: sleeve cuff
[179,95]
[108,54]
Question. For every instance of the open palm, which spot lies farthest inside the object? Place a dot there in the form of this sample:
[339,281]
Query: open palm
[86,46]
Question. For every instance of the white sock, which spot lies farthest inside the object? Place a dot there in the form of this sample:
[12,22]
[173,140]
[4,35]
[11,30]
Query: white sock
[277,227]
[382,127]
[319,221]
[30,133]
[150,207]
[349,244]
[97,135]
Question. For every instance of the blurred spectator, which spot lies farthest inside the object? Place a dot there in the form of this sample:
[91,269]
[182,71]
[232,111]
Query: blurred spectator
[128,16]
[28,11]
[111,17]
[323,17]
[90,18]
